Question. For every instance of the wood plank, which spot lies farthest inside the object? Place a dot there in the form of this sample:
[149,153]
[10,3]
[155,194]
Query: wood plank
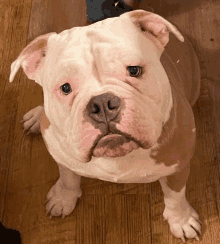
[207,166]
[94,186]
[138,216]
[49,16]
[14,21]
[91,219]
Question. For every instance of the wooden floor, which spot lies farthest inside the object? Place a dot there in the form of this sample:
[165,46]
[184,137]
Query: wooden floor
[107,213]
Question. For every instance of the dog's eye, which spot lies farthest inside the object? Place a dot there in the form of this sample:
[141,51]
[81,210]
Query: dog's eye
[134,71]
[66,89]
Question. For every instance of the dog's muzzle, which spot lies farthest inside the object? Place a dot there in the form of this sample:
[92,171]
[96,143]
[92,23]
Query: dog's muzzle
[105,109]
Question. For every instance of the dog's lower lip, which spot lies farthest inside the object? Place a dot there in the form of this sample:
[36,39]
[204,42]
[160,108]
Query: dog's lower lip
[109,135]
[114,145]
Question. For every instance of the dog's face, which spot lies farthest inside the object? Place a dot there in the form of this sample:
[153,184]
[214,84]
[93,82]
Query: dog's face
[105,90]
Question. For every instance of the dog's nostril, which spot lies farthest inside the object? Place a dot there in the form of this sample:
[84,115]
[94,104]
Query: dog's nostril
[110,107]
[96,109]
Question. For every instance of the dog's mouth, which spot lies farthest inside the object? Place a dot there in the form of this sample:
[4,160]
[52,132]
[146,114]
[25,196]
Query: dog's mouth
[114,145]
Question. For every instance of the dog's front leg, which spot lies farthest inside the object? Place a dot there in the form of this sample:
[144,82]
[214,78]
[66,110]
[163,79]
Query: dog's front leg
[182,218]
[62,198]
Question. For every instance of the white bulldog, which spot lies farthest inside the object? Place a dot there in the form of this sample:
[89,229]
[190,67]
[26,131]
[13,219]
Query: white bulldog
[117,107]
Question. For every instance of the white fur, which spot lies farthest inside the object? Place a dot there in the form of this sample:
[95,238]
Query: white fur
[181,217]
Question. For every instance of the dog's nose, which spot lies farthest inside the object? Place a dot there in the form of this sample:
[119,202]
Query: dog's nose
[104,108]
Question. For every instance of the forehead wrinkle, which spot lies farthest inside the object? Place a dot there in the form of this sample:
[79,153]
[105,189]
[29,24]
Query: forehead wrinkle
[78,47]
[114,48]
[133,58]
[65,69]
[124,55]
[69,65]
[94,62]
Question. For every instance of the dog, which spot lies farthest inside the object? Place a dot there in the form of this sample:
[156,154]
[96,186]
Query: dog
[118,97]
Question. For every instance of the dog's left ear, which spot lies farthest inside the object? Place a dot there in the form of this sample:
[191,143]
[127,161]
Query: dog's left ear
[154,24]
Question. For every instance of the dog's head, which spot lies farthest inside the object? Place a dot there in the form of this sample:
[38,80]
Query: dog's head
[105,90]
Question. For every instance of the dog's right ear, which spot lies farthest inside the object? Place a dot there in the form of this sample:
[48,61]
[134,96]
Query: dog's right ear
[31,57]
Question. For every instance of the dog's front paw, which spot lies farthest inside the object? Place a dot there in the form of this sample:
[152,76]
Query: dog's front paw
[61,201]
[32,120]
[183,222]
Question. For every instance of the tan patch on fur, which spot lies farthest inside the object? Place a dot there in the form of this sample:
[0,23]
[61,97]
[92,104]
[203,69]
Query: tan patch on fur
[177,181]
[45,123]
[38,43]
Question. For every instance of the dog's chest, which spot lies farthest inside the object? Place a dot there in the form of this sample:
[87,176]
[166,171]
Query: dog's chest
[136,167]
